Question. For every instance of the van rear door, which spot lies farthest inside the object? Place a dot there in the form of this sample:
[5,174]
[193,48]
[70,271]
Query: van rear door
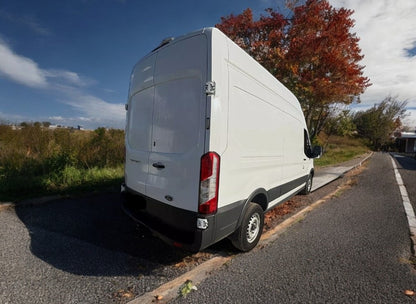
[178,132]
[139,125]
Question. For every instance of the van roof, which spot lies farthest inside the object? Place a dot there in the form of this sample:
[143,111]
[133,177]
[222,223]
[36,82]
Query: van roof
[170,40]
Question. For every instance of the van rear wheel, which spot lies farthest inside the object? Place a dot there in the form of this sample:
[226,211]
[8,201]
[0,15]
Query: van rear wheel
[248,234]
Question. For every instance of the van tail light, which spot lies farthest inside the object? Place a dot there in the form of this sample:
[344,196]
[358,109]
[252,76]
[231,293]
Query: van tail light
[209,181]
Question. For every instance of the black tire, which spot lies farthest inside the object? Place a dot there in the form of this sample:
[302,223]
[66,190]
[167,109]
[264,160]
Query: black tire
[248,234]
[308,185]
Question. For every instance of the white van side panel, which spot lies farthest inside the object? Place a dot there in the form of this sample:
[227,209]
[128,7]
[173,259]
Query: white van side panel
[218,104]
[264,134]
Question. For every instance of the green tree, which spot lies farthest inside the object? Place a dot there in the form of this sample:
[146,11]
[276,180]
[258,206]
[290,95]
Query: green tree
[46,124]
[378,123]
[340,124]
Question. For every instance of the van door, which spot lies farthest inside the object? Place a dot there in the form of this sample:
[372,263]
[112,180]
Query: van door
[139,125]
[138,142]
[178,133]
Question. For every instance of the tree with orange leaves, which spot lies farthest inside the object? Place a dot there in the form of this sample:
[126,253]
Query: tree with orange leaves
[314,53]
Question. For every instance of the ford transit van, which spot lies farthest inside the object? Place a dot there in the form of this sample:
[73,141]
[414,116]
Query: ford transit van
[213,141]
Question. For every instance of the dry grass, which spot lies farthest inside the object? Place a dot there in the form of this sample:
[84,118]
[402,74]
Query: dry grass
[37,161]
[339,149]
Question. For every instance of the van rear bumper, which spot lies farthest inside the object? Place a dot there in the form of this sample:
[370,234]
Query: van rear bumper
[173,225]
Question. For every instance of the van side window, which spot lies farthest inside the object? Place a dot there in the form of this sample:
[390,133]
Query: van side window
[307,144]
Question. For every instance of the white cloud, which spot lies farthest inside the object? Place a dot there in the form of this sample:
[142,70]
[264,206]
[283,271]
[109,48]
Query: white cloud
[20,69]
[5,117]
[27,72]
[410,120]
[55,118]
[69,85]
[68,77]
[387,31]
[98,110]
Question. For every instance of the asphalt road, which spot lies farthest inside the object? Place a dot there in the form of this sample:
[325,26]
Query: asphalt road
[352,249]
[82,250]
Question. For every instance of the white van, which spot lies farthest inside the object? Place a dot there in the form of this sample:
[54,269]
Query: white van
[212,142]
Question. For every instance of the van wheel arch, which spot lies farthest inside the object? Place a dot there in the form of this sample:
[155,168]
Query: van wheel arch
[249,232]
[259,197]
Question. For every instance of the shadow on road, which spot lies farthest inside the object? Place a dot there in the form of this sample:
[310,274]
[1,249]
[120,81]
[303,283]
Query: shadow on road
[405,162]
[92,236]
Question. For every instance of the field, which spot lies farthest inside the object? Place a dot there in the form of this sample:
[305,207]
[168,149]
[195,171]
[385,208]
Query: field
[338,149]
[35,161]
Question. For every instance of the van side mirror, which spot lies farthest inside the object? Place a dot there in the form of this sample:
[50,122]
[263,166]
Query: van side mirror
[317,152]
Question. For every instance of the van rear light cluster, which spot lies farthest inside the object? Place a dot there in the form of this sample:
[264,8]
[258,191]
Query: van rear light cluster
[209,181]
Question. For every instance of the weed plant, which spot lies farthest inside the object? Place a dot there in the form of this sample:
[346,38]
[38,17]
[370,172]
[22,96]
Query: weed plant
[37,161]
[338,149]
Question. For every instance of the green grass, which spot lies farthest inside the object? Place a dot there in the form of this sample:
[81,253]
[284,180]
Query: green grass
[36,161]
[340,149]
[70,180]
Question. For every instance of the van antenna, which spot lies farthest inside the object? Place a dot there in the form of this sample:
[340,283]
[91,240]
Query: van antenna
[164,42]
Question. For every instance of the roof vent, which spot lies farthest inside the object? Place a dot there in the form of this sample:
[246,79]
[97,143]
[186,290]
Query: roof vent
[164,42]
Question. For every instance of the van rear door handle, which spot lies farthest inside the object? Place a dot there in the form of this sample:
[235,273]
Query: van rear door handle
[159,165]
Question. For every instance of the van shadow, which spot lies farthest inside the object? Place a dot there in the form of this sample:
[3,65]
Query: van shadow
[92,236]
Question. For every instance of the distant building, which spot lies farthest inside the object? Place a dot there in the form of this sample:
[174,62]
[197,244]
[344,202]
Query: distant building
[406,141]
[14,127]
[53,127]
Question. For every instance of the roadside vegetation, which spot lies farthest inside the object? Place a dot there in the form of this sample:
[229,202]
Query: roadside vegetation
[338,149]
[347,134]
[36,160]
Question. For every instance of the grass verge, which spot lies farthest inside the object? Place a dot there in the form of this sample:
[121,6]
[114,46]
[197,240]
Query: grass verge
[70,180]
[340,149]
[36,176]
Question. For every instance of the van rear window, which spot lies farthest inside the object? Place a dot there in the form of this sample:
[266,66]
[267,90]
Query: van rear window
[140,120]
[177,115]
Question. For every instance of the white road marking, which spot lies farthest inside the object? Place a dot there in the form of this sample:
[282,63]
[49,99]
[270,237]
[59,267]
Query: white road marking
[411,219]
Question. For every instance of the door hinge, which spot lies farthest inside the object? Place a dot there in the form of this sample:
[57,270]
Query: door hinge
[210,88]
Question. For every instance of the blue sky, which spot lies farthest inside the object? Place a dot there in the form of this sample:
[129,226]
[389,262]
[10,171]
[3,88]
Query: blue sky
[69,62]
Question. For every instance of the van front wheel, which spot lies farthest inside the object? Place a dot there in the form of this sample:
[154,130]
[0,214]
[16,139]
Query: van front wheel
[308,185]
[248,234]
